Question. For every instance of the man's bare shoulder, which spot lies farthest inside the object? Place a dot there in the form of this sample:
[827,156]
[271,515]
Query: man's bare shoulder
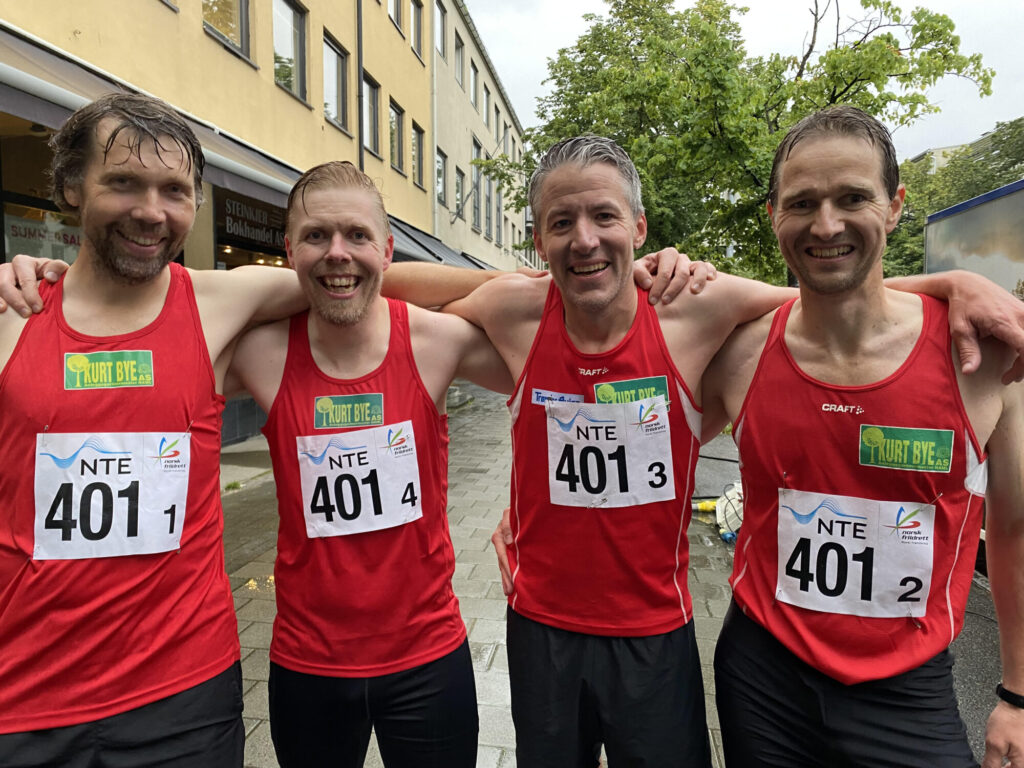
[515,294]
[742,349]
[11,326]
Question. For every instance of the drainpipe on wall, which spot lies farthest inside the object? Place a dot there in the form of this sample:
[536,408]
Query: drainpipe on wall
[362,86]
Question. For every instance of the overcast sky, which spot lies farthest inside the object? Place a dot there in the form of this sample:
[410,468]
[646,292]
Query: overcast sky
[521,35]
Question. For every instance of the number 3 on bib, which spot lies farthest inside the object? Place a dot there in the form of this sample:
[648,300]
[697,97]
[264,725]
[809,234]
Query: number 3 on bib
[609,455]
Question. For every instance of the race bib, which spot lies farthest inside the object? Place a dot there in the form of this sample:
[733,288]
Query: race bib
[609,455]
[109,494]
[841,554]
[366,480]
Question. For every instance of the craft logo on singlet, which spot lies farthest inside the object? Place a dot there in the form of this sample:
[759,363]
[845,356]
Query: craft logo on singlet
[919,450]
[907,528]
[169,457]
[108,370]
[333,411]
[631,390]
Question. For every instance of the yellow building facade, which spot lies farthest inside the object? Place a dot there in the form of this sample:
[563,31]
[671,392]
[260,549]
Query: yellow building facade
[271,87]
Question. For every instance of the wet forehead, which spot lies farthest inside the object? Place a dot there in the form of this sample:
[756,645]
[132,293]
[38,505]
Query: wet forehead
[131,149]
[572,187]
[831,163]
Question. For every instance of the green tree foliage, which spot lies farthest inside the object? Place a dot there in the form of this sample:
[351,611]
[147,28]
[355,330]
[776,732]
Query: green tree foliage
[992,162]
[701,119]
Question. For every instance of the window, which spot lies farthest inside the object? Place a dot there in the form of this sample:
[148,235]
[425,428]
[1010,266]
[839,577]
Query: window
[441,169]
[497,125]
[505,138]
[487,106]
[460,191]
[499,217]
[335,83]
[396,119]
[476,187]
[474,86]
[488,207]
[371,115]
[460,59]
[416,26]
[290,47]
[229,19]
[395,12]
[416,155]
[439,29]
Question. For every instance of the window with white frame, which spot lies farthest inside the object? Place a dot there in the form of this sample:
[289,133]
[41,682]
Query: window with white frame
[474,82]
[487,106]
[395,12]
[476,192]
[460,60]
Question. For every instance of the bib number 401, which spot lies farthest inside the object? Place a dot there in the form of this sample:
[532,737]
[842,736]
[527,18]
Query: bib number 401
[592,470]
[832,558]
[347,498]
[96,508]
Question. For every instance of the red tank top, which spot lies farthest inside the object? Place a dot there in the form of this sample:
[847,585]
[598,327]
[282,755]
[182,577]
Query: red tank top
[859,531]
[601,481]
[364,559]
[103,608]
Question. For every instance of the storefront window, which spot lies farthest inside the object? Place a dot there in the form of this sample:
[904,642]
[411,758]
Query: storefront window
[38,232]
[249,231]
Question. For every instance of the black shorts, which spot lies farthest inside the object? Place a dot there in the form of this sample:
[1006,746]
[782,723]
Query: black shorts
[424,717]
[201,727]
[776,710]
[641,697]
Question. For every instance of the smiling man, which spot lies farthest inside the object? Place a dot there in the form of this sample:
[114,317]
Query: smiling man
[118,640]
[866,455]
[368,632]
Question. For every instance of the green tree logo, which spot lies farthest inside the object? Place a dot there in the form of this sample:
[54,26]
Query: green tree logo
[78,364]
[873,438]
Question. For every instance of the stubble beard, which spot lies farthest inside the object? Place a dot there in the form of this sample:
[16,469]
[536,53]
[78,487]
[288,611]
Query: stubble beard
[125,268]
[351,311]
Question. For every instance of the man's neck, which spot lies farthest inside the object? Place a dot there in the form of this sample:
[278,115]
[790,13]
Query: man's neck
[351,351]
[596,332]
[97,303]
[854,338]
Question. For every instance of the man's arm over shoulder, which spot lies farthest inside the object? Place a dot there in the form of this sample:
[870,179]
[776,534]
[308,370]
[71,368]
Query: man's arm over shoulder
[1004,542]
[432,285]
[446,346]
[231,301]
[977,308]
[257,360]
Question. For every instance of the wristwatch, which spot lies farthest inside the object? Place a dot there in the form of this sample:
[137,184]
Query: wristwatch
[1010,697]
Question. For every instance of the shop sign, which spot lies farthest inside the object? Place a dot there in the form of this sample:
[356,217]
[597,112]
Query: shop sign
[49,237]
[244,219]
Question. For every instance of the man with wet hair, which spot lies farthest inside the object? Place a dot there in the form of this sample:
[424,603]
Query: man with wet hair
[368,632]
[118,640]
[867,457]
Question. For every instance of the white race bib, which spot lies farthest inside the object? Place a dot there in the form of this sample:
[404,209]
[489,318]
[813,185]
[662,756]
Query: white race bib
[108,494]
[841,554]
[609,454]
[353,482]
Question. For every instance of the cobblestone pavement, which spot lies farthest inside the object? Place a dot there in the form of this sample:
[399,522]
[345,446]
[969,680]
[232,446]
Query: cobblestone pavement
[478,491]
